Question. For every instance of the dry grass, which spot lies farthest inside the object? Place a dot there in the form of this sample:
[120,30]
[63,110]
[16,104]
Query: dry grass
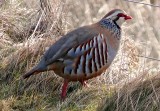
[141,94]
[27,29]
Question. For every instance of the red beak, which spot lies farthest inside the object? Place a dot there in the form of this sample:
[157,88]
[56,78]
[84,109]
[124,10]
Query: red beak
[127,17]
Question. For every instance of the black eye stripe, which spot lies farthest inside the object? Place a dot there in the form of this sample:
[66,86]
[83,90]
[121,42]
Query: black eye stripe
[116,18]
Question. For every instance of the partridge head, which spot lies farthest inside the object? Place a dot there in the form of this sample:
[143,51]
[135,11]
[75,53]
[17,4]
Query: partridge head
[85,52]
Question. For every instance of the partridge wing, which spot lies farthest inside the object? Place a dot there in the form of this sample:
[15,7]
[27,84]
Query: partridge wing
[87,57]
[61,47]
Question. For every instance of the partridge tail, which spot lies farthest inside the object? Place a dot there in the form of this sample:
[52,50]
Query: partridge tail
[41,67]
[31,72]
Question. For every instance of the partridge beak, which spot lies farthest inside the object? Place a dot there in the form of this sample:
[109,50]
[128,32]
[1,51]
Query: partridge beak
[127,17]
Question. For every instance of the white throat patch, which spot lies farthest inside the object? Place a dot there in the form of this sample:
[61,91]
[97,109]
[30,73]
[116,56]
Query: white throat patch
[120,21]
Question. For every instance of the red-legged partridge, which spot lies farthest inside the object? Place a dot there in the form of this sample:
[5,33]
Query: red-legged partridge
[85,52]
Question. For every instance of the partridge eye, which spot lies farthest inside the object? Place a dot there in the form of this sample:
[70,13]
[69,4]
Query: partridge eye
[121,15]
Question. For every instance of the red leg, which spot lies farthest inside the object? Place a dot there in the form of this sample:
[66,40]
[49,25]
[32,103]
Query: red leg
[64,89]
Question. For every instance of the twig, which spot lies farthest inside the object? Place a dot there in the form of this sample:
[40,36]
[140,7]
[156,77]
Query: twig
[35,29]
[155,59]
[133,1]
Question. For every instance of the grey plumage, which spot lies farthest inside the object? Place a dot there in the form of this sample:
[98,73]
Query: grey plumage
[85,52]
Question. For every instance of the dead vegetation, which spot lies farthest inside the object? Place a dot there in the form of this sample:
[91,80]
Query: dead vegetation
[27,29]
[141,94]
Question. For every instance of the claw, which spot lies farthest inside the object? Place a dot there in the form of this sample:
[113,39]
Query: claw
[84,83]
